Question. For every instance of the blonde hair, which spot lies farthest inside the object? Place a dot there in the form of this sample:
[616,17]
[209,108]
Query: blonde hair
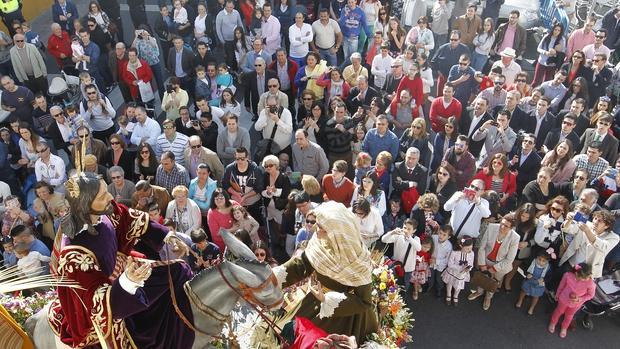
[180,189]
[429,200]
[418,122]
[310,185]
[386,158]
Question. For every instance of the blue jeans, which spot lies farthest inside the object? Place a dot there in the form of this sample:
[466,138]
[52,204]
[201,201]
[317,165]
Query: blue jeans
[301,62]
[159,79]
[478,61]
[331,58]
[349,45]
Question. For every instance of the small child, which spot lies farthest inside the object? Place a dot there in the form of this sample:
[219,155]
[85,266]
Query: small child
[203,85]
[125,128]
[362,166]
[75,120]
[534,285]
[307,230]
[31,263]
[8,253]
[85,80]
[460,263]
[439,259]
[179,14]
[204,253]
[406,246]
[395,217]
[78,51]
[575,289]
[422,270]
[243,220]
[32,37]
[155,213]
[223,80]
[356,143]
[256,24]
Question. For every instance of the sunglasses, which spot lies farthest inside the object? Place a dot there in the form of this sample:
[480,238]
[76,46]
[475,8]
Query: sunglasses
[115,143]
[555,209]
[260,254]
[310,221]
[567,123]
[56,115]
[19,40]
[269,165]
[308,99]
[91,93]
[258,65]
[272,86]
[144,152]
[454,39]
[42,150]
[518,80]
[84,136]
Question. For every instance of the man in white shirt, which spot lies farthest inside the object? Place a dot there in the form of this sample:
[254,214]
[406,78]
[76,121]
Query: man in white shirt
[510,68]
[382,65]
[461,203]
[273,115]
[300,35]
[171,140]
[49,167]
[146,129]
[270,30]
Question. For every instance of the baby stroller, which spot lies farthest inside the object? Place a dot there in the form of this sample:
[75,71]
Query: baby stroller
[65,90]
[606,300]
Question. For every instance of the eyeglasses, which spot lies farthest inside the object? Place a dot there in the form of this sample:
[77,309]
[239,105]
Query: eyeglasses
[260,254]
[115,143]
[117,177]
[42,151]
[310,221]
[556,209]
[474,188]
[240,159]
[168,127]
[196,146]
[581,178]
[144,152]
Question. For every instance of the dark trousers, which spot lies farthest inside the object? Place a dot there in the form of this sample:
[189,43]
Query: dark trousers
[37,85]
[229,52]
[436,282]
[8,18]
[104,135]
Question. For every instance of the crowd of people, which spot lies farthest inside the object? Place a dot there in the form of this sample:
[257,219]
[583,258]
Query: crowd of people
[427,125]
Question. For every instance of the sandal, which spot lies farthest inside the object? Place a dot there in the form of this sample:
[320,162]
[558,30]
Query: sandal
[530,311]
[448,300]
[518,305]
[455,302]
[563,333]
[551,328]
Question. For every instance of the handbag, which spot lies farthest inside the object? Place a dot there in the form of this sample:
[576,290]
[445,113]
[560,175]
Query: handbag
[484,280]
[146,91]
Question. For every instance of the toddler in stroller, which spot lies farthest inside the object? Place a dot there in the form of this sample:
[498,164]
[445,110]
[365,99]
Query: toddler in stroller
[606,298]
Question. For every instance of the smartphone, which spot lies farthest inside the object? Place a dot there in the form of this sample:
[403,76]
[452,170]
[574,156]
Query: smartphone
[579,217]
[612,173]
[494,123]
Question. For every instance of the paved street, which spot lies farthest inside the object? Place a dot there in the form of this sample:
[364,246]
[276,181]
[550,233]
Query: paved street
[437,325]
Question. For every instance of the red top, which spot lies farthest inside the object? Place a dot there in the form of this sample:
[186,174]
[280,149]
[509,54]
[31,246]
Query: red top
[493,254]
[247,12]
[415,89]
[438,110]
[56,46]
[144,73]
[217,220]
[486,83]
[509,186]
[342,194]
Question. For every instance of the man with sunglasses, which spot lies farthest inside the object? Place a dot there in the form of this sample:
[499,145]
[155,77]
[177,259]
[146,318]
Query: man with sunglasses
[244,181]
[93,145]
[461,203]
[462,77]
[274,90]
[447,56]
[566,131]
[601,78]
[525,162]
[256,83]
[29,65]
[98,113]
[498,137]
[49,167]
[195,154]
[597,46]
[496,94]
[609,143]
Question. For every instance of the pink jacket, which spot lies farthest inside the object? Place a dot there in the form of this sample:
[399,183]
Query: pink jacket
[582,289]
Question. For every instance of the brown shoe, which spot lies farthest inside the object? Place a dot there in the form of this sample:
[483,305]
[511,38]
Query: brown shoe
[474,295]
[487,303]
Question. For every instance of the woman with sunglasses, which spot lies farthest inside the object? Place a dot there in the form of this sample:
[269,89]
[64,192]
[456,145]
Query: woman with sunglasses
[500,179]
[551,54]
[146,163]
[382,23]
[261,251]
[521,85]
[549,227]
[578,89]
[560,160]
[275,195]
[418,137]
[95,12]
[526,223]
[307,230]
[118,155]
[442,184]
[601,107]
[576,67]
[444,141]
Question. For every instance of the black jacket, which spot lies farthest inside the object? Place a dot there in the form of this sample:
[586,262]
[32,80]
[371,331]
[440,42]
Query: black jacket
[400,177]
[465,123]
[250,84]
[527,171]
[353,103]
[553,138]
[126,162]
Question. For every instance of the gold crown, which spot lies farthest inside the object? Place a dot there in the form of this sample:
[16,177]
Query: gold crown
[72,187]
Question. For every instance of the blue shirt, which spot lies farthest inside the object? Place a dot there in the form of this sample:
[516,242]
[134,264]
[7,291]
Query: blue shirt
[92,50]
[9,259]
[374,143]
[352,22]
[445,57]
[178,65]
[464,90]
[40,247]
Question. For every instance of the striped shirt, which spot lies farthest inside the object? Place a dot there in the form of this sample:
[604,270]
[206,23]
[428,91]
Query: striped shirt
[177,146]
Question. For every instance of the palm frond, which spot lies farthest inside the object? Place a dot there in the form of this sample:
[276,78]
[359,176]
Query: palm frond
[11,280]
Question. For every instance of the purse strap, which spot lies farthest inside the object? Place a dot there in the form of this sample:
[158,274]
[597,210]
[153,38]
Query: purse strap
[406,255]
[471,209]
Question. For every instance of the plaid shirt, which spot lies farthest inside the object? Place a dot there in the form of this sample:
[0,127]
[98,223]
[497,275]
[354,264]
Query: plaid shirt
[169,180]
[594,170]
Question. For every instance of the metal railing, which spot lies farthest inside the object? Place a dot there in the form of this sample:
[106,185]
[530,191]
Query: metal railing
[550,13]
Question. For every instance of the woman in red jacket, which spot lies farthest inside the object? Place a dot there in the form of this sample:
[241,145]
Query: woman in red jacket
[134,71]
[413,83]
[334,84]
[500,179]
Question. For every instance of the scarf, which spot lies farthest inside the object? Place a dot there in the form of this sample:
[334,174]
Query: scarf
[341,255]
[133,68]
[336,88]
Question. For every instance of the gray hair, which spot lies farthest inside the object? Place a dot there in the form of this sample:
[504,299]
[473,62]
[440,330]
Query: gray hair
[591,193]
[260,60]
[271,160]
[57,108]
[55,25]
[413,151]
[116,169]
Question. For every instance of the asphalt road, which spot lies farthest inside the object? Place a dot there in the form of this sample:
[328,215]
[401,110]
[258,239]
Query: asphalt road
[437,325]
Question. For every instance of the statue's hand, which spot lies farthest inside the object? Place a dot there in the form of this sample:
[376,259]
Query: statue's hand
[136,271]
[177,244]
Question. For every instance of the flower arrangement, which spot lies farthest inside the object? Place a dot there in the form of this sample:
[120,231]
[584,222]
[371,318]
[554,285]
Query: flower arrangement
[21,308]
[395,319]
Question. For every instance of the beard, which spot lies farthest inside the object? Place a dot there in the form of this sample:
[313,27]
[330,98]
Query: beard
[108,210]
